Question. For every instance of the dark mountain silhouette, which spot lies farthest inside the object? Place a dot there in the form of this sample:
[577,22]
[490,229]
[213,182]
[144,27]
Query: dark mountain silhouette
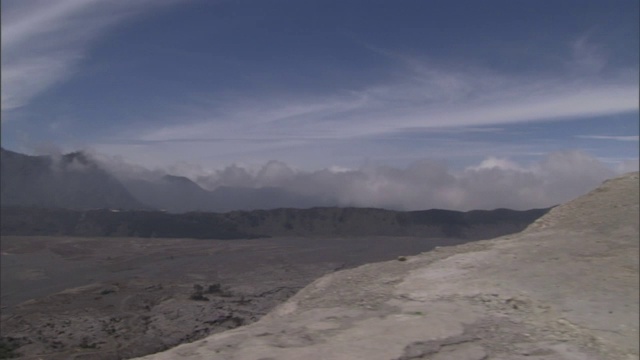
[325,222]
[116,223]
[333,221]
[69,181]
[171,193]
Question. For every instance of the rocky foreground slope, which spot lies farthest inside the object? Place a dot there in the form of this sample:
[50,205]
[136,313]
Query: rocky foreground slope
[565,288]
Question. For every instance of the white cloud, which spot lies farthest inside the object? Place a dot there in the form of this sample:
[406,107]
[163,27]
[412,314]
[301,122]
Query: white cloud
[43,41]
[494,183]
[610,137]
[496,163]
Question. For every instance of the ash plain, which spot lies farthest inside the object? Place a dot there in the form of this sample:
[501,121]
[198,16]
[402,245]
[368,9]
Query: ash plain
[117,298]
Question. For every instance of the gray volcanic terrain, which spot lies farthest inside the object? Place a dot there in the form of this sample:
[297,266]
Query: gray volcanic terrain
[565,288]
[116,298]
[314,222]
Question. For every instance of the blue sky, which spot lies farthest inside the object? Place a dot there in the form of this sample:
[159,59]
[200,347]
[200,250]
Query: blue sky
[319,84]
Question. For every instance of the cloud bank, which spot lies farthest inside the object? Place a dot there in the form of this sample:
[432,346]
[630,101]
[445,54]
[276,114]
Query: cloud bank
[425,184]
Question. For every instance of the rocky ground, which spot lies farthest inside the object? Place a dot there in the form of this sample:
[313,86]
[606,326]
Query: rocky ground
[566,288]
[117,298]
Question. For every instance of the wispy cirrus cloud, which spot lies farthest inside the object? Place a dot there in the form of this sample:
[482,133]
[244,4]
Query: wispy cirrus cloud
[43,41]
[610,137]
[424,97]
[424,102]
[587,57]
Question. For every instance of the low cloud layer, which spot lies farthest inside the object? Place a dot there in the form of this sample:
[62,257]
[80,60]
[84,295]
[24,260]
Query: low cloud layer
[425,184]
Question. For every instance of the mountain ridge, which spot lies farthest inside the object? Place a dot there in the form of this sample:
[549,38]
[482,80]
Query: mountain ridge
[316,222]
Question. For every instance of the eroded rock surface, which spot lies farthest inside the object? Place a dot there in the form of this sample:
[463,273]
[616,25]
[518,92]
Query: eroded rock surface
[565,288]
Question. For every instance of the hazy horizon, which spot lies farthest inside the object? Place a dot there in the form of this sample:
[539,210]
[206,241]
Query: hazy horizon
[421,185]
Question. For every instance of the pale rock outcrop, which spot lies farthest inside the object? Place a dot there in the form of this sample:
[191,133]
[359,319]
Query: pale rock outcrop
[565,288]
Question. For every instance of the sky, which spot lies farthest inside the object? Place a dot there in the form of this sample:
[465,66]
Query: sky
[200,86]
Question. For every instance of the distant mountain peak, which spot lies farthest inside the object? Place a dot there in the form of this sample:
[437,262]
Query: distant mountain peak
[177,179]
[183,182]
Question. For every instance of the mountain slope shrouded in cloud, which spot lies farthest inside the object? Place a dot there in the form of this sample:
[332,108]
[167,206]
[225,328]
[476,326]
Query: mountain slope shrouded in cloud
[77,181]
[81,181]
[171,193]
[180,194]
[69,181]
